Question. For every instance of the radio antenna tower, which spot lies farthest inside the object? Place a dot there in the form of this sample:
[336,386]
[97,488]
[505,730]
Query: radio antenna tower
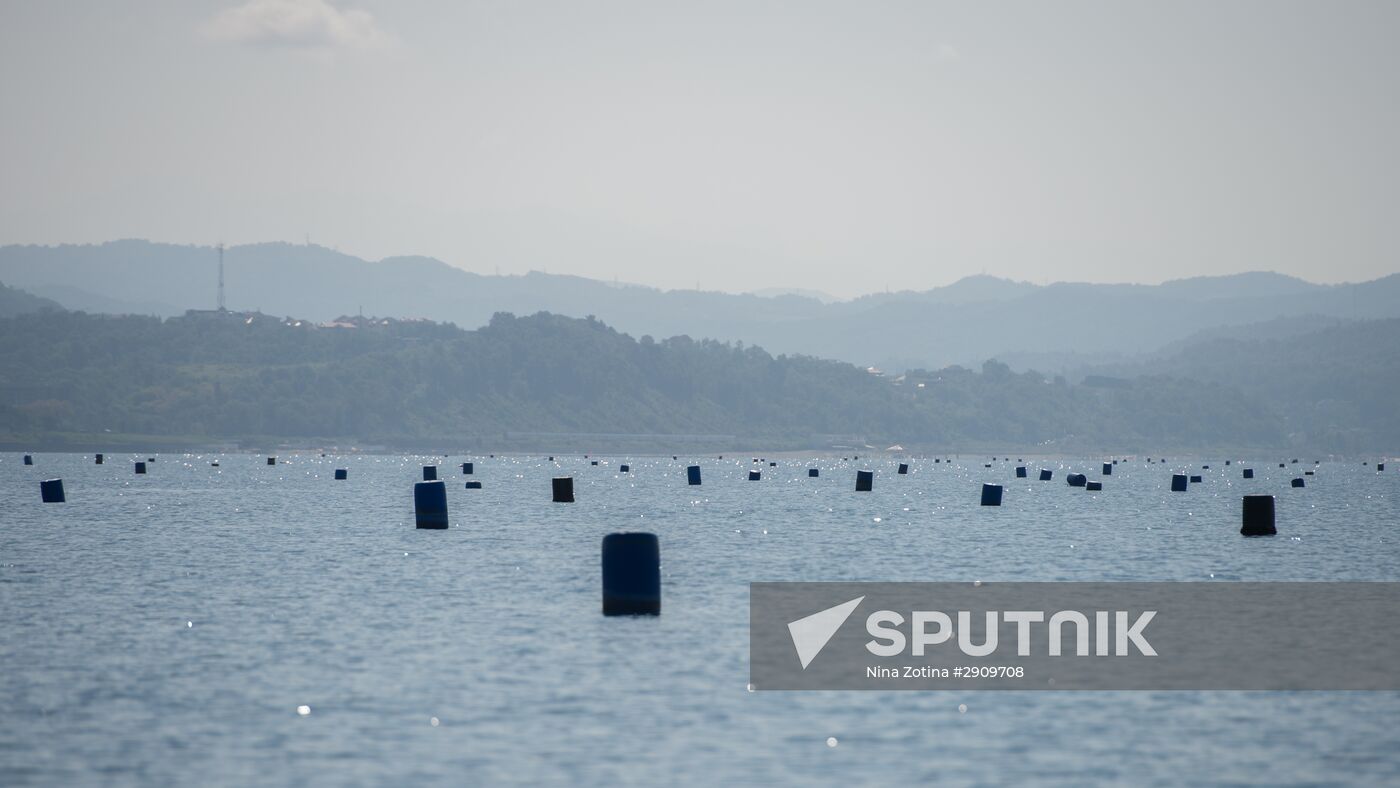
[221,277]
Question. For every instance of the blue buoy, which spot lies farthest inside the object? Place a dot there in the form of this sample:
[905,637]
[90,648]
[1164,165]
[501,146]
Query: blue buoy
[430,504]
[1248,473]
[1298,482]
[473,486]
[631,575]
[563,489]
[1093,486]
[865,481]
[1108,469]
[1077,479]
[341,474]
[692,475]
[1178,482]
[624,469]
[28,460]
[468,468]
[1045,475]
[97,460]
[991,495]
[1258,516]
[1020,472]
[755,476]
[140,467]
[813,473]
[51,491]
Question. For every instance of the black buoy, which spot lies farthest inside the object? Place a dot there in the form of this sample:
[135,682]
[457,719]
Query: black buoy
[1258,516]
[429,473]
[1227,462]
[593,462]
[271,460]
[430,504]
[865,481]
[772,465]
[341,474]
[140,467]
[1045,475]
[1195,480]
[991,495]
[563,489]
[1021,472]
[1309,473]
[1248,473]
[97,460]
[813,473]
[1205,467]
[1298,482]
[631,575]
[1108,469]
[1380,467]
[1093,486]
[1281,465]
[1077,479]
[1178,482]
[692,475]
[903,468]
[937,460]
[755,476]
[468,468]
[624,468]
[551,458]
[1294,460]
[473,486]
[986,465]
[51,491]
[28,459]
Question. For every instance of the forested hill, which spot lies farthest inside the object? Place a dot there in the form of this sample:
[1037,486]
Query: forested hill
[213,377]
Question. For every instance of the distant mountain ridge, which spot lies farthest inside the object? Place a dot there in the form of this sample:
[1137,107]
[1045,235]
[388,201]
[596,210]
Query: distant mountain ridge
[1042,326]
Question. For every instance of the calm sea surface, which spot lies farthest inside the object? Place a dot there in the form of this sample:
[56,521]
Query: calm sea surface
[165,628]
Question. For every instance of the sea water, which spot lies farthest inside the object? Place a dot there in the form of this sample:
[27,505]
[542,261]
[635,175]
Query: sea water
[256,624]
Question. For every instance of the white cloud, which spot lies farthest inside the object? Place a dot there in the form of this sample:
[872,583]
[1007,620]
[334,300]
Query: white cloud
[301,24]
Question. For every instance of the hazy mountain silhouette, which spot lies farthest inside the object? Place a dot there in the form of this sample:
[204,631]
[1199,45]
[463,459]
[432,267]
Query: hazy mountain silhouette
[14,301]
[1049,327]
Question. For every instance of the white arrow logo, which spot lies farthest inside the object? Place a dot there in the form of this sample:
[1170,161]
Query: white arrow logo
[811,634]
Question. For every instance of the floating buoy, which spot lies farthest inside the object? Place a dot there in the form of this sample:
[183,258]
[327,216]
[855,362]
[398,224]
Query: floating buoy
[473,486]
[772,465]
[469,468]
[1021,472]
[1227,462]
[28,460]
[97,460]
[563,489]
[1045,475]
[1108,469]
[1308,473]
[341,474]
[865,481]
[1257,516]
[1249,473]
[755,476]
[631,575]
[1178,482]
[1298,482]
[429,473]
[813,473]
[140,467]
[624,469]
[51,491]
[903,469]
[991,495]
[1380,467]
[1195,480]
[430,504]
[270,460]
[692,475]
[1205,467]
[593,462]
[1093,486]
[1077,479]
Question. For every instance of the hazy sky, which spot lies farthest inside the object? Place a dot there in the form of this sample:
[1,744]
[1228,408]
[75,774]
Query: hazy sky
[845,147]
